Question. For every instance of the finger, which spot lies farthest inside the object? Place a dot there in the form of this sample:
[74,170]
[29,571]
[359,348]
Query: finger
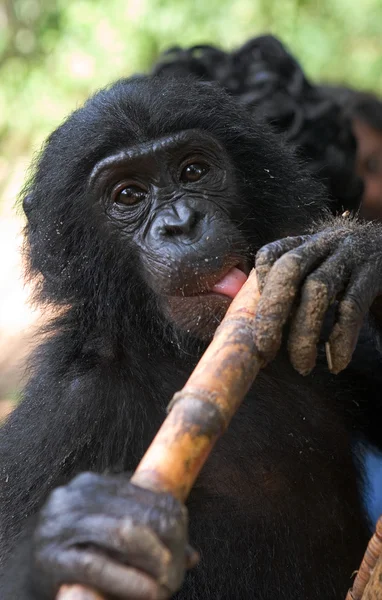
[318,292]
[136,545]
[269,254]
[351,313]
[110,578]
[280,291]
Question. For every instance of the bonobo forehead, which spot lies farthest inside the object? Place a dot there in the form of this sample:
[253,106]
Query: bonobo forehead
[132,113]
[192,140]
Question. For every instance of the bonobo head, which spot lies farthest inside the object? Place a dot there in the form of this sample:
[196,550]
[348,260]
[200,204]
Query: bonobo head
[153,198]
[171,199]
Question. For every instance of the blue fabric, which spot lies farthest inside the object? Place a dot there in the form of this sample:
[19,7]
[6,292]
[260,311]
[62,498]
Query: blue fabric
[373,466]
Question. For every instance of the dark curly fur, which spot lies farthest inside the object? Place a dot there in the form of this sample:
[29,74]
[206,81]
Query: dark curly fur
[357,104]
[263,76]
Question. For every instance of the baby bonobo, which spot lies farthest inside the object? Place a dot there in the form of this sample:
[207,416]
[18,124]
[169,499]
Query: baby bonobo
[146,211]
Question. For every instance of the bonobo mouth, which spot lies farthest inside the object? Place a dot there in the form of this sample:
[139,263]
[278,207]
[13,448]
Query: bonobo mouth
[231,283]
[199,308]
[226,281]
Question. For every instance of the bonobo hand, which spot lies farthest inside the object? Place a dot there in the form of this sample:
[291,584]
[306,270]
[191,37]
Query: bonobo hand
[303,275]
[105,532]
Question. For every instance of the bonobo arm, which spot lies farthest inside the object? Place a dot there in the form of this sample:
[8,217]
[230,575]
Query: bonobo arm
[78,416]
[300,277]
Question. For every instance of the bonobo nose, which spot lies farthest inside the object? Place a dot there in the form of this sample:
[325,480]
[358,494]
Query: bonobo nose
[178,221]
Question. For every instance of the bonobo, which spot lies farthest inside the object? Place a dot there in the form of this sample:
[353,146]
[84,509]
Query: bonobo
[146,211]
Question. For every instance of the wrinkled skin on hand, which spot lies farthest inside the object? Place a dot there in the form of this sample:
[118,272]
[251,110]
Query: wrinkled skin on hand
[300,277]
[124,541]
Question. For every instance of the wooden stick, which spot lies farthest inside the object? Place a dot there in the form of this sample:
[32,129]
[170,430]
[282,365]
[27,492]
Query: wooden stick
[77,592]
[373,590]
[367,584]
[201,411]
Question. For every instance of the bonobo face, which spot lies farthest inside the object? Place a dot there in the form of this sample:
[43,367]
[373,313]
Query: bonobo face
[173,199]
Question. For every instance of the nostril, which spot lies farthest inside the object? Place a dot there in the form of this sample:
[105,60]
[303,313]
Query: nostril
[180,226]
[172,230]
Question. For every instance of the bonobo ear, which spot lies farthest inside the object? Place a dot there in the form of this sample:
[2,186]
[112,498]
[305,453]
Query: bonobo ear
[28,204]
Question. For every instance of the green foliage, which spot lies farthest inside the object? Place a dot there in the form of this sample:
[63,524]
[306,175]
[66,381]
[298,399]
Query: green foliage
[54,53]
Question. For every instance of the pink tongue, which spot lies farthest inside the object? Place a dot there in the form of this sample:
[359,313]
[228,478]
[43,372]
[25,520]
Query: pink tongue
[231,283]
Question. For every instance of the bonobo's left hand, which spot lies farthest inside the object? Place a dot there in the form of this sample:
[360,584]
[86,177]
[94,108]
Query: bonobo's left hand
[303,275]
[104,532]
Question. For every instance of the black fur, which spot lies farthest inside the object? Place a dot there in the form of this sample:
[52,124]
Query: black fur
[275,513]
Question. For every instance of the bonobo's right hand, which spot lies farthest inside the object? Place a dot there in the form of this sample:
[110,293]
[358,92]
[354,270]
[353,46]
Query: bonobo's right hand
[104,532]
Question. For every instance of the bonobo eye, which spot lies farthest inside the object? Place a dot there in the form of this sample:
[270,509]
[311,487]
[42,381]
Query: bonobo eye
[128,194]
[193,172]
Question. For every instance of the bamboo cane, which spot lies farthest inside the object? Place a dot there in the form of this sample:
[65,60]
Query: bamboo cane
[373,590]
[201,411]
[77,592]
[368,582]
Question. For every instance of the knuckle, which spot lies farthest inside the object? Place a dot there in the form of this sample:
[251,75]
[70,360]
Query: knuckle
[172,506]
[291,258]
[271,251]
[268,346]
[174,527]
[127,525]
[86,479]
[351,308]
[56,504]
[264,255]
[286,268]
[315,286]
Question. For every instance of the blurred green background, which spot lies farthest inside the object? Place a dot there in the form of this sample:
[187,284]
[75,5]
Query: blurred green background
[54,53]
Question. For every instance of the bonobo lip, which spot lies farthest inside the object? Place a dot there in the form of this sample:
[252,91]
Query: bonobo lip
[226,283]
[231,283]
